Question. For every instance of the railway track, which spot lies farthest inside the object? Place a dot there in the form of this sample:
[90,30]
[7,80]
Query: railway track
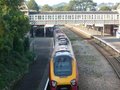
[110,57]
[90,67]
[113,60]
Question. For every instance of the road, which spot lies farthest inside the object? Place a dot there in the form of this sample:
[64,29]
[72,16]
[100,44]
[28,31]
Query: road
[37,76]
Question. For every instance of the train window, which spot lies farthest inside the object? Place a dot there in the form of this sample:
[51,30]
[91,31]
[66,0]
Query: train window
[63,66]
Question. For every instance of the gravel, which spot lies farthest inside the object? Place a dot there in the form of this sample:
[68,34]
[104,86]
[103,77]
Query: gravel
[95,73]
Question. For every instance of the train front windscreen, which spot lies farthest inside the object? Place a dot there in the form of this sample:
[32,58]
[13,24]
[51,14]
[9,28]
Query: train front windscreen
[63,66]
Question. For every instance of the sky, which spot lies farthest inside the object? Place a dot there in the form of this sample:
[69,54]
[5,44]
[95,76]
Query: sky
[52,2]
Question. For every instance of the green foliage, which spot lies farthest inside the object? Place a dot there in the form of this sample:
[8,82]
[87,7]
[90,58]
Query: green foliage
[26,44]
[76,5]
[72,5]
[81,5]
[105,8]
[33,5]
[67,8]
[46,7]
[14,47]
[2,27]
[60,8]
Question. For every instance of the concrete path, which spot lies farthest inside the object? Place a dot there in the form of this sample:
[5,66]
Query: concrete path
[38,71]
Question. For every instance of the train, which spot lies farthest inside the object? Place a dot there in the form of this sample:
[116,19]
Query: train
[63,71]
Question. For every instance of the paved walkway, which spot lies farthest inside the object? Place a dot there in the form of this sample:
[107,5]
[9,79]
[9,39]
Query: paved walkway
[112,40]
[37,76]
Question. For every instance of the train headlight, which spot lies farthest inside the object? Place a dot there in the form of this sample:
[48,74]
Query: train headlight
[53,83]
[73,82]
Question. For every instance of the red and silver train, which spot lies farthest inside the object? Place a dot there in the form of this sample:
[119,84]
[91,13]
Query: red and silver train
[63,72]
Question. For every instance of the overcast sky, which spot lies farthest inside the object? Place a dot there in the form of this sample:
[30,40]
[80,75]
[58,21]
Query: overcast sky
[52,2]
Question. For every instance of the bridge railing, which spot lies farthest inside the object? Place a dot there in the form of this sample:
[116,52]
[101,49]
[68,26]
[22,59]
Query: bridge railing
[39,22]
[107,46]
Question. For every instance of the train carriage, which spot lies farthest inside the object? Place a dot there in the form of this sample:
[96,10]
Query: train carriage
[63,74]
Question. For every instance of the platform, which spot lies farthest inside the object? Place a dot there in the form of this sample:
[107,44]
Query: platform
[112,40]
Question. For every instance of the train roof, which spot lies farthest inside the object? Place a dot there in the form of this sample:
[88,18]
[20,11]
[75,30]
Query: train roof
[62,48]
[62,53]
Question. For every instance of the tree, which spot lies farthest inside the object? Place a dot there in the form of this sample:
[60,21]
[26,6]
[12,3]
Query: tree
[33,5]
[72,5]
[46,7]
[67,8]
[13,27]
[105,8]
[60,8]
[81,5]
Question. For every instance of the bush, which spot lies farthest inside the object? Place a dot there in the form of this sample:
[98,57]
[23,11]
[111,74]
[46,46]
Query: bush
[14,48]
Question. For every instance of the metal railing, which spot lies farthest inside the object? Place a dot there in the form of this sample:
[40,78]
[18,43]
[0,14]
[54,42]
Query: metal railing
[107,46]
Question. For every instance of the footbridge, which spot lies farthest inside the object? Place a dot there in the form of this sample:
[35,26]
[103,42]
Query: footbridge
[104,21]
[75,17]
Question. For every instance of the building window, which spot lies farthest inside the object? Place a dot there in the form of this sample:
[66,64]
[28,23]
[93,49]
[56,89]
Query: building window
[52,16]
[39,17]
[72,16]
[108,17]
[78,17]
[69,16]
[92,17]
[55,17]
[62,17]
[36,17]
[117,17]
[49,17]
[82,17]
[59,17]
[89,17]
[101,16]
[42,17]
[95,17]
[66,17]
[98,17]
[31,17]
[45,17]
[112,17]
